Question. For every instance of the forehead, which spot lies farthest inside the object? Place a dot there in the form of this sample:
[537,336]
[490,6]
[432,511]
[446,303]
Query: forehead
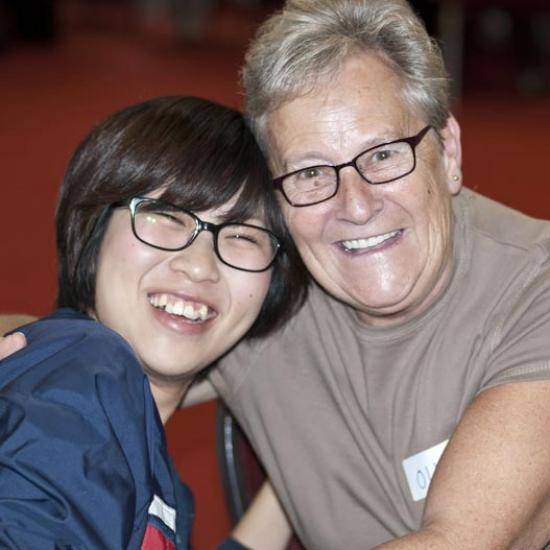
[361,105]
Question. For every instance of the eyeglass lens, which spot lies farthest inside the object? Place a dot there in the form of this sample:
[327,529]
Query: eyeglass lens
[238,245]
[378,165]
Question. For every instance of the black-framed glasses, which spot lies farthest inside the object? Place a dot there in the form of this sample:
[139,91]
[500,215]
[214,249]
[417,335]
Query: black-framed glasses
[383,163]
[167,227]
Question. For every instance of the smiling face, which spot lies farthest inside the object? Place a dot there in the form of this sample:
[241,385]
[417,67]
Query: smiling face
[383,249]
[178,310]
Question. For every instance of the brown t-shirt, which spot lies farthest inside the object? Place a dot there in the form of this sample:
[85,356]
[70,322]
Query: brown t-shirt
[350,420]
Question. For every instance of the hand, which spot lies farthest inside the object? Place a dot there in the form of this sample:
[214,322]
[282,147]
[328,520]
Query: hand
[12,343]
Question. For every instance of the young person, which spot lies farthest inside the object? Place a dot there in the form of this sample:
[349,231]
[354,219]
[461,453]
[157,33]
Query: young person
[171,248]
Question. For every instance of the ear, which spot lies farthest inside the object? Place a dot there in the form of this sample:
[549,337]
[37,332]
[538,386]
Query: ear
[452,155]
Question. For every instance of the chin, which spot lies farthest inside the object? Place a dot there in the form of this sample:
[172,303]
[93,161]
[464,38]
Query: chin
[170,376]
[384,303]
[165,367]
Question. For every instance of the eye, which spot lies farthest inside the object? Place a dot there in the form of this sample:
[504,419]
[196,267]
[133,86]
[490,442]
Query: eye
[169,217]
[309,173]
[242,237]
[313,177]
[382,155]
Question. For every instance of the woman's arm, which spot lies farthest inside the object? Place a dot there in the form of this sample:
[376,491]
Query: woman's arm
[491,488]
[264,525]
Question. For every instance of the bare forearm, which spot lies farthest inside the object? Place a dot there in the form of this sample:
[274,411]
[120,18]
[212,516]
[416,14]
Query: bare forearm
[476,498]
[264,526]
[535,536]
[425,539]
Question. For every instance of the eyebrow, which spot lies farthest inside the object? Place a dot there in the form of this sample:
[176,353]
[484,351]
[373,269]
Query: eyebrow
[302,158]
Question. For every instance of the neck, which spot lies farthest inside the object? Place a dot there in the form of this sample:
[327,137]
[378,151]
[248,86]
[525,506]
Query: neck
[168,396]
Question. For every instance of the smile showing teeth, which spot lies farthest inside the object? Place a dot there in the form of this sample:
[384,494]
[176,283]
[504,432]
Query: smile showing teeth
[371,242]
[182,308]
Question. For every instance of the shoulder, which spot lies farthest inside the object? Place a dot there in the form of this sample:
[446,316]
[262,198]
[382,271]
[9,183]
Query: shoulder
[67,334]
[506,289]
[76,412]
[66,327]
[503,224]
[69,357]
[74,375]
[505,255]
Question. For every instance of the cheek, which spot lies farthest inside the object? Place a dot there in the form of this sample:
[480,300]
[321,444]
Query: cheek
[425,199]
[122,261]
[248,293]
[117,262]
[435,223]
[306,225]
[439,207]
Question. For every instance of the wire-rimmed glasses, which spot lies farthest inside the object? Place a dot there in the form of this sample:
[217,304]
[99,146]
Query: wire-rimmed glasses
[167,227]
[383,163]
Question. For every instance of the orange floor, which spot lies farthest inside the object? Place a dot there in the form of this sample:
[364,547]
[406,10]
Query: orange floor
[49,97]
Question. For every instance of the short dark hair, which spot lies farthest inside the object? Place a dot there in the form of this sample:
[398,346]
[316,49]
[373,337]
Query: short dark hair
[200,154]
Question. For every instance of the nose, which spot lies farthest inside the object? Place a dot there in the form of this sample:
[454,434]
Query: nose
[359,201]
[198,261]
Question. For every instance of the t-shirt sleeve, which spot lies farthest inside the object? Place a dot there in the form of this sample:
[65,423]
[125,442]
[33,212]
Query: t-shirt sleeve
[521,337]
[68,472]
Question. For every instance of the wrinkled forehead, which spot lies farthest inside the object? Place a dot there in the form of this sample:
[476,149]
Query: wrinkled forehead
[361,106]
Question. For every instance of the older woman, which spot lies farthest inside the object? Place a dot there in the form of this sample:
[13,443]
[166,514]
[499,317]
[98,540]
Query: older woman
[423,355]
[171,248]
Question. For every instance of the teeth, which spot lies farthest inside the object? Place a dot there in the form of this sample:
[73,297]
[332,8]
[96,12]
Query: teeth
[176,306]
[203,312]
[189,311]
[370,242]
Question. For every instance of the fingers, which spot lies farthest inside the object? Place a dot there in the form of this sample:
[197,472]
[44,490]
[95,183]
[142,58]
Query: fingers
[12,343]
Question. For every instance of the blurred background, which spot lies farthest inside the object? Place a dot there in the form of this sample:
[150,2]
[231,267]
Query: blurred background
[66,64]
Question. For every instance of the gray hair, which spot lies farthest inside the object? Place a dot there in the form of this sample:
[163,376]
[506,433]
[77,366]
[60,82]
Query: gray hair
[304,44]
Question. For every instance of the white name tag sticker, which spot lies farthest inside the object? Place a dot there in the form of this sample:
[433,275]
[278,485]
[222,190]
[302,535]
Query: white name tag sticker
[420,468]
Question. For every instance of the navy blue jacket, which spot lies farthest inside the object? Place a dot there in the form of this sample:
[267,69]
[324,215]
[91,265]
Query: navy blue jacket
[83,461]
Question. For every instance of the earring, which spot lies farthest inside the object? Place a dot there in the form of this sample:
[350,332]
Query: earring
[456,177]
